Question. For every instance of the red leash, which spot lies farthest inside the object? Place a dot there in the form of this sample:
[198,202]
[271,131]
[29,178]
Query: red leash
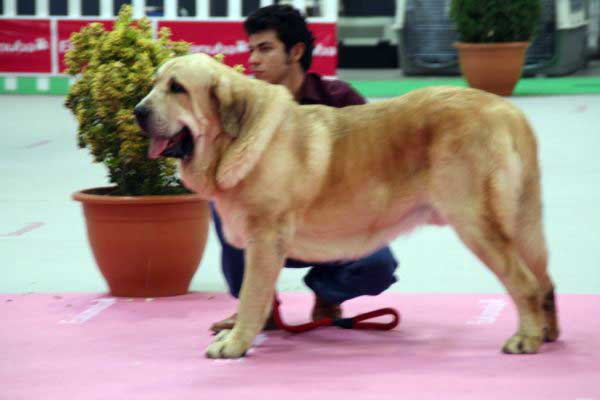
[346,323]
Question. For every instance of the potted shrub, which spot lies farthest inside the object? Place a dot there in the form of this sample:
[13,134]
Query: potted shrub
[493,39]
[147,232]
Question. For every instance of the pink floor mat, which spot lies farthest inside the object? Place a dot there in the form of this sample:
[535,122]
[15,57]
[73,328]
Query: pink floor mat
[88,346]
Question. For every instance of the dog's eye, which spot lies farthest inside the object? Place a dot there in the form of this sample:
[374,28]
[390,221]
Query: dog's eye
[176,88]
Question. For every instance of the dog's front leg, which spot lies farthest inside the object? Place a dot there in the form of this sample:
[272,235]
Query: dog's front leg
[264,258]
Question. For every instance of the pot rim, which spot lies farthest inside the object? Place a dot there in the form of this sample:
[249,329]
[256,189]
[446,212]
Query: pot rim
[85,196]
[467,45]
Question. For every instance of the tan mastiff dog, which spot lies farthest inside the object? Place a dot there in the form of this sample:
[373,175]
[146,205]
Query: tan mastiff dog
[316,183]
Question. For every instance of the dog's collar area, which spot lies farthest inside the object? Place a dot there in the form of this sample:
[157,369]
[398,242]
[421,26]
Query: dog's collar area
[180,146]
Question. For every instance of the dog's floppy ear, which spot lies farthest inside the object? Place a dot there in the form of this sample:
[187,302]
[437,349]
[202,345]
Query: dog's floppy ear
[251,111]
[222,94]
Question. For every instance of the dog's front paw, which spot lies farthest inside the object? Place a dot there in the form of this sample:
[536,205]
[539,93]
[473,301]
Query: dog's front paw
[226,346]
[522,344]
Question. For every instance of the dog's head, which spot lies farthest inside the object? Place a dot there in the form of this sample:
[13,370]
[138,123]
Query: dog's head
[178,110]
[195,100]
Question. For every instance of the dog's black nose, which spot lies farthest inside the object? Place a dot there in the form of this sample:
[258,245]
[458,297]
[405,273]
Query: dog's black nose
[141,115]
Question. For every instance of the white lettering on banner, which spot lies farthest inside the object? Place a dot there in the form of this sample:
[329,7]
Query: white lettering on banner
[324,51]
[241,47]
[64,46]
[18,46]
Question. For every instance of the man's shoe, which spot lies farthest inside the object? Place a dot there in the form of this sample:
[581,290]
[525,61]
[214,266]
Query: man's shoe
[324,309]
[229,323]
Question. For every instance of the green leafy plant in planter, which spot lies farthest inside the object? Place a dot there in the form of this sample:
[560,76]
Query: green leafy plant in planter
[147,233]
[495,21]
[114,71]
[493,38]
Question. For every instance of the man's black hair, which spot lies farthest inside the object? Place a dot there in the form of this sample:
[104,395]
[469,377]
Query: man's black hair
[289,25]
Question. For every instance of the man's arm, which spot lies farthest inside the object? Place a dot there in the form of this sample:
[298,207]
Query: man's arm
[342,94]
[352,97]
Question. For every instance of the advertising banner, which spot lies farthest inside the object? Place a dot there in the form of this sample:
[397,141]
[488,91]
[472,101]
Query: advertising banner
[229,39]
[25,46]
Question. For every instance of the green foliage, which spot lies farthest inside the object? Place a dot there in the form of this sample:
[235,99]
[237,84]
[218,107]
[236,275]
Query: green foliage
[115,70]
[495,21]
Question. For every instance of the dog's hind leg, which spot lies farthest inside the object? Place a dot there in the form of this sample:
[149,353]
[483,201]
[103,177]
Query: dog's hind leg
[481,204]
[531,245]
[500,254]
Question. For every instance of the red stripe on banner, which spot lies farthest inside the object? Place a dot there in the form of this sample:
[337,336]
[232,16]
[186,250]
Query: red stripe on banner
[212,37]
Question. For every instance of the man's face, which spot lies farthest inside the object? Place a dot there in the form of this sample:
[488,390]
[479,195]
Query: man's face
[268,59]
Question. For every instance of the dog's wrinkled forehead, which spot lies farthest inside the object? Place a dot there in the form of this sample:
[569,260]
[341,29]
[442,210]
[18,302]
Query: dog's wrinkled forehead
[192,69]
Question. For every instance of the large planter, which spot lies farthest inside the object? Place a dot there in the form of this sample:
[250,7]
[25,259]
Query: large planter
[493,67]
[146,246]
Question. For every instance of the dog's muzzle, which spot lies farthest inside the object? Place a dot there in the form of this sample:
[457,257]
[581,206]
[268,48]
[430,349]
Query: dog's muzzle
[179,146]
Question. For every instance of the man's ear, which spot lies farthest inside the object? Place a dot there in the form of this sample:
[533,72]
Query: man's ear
[296,52]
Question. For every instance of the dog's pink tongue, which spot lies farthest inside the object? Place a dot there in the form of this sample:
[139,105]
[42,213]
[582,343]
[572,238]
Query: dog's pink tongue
[157,146]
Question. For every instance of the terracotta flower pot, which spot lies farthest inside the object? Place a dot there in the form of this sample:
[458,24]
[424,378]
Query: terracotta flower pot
[493,67]
[146,246]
